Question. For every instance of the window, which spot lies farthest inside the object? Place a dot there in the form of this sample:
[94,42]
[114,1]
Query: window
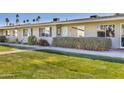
[64,31]
[106,31]
[101,34]
[14,33]
[58,31]
[8,33]
[25,32]
[80,30]
[45,32]
[41,30]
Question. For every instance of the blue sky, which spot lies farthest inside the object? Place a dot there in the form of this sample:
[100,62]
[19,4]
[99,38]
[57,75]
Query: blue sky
[46,17]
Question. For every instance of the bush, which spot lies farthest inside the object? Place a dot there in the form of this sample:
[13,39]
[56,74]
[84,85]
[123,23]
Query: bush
[43,42]
[88,43]
[3,39]
[32,40]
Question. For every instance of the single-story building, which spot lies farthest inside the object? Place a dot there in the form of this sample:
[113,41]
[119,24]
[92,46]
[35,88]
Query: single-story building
[95,26]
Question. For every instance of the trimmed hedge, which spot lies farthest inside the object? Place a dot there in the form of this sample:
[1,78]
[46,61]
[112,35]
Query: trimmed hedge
[87,43]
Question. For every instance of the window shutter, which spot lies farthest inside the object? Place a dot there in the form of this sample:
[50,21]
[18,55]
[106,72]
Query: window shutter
[50,31]
[31,31]
[39,32]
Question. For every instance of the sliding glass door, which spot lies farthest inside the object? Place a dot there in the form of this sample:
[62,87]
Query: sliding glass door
[122,36]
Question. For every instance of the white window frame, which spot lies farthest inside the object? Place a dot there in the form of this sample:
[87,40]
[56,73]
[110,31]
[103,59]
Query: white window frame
[99,29]
[7,32]
[79,28]
[59,31]
[82,27]
[47,31]
[27,32]
[14,33]
[64,31]
[121,34]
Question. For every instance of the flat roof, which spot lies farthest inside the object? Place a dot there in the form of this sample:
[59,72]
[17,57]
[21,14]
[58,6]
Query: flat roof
[73,21]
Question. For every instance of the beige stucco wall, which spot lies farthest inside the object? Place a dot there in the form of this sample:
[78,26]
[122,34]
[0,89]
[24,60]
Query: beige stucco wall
[49,39]
[90,31]
[36,33]
[1,32]
[72,32]
[11,37]
[66,32]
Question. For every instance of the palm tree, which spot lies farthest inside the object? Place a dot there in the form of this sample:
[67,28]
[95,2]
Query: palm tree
[7,21]
[27,20]
[38,19]
[17,21]
[17,15]
[24,21]
[17,18]
[34,20]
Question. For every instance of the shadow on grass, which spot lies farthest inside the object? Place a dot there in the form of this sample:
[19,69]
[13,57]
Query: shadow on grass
[93,57]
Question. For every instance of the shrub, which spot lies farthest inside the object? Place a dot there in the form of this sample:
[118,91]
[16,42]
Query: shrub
[43,42]
[32,40]
[88,43]
[3,39]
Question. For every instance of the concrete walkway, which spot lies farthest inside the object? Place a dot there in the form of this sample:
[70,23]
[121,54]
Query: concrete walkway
[111,53]
[12,52]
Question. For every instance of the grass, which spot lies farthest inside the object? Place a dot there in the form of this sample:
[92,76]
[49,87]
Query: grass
[6,48]
[59,65]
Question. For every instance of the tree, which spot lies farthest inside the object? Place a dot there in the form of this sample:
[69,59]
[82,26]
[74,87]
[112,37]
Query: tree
[38,19]
[27,20]
[17,18]
[17,15]
[34,20]
[24,21]
[17,21]
[7,21]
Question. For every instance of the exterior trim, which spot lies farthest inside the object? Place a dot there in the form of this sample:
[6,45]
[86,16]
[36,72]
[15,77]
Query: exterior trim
[121,34]
[75,21]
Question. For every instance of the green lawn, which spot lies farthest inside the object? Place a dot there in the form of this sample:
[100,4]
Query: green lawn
[6,48]
[52,64]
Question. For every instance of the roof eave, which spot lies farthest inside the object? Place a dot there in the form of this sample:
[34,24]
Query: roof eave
[64,22]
